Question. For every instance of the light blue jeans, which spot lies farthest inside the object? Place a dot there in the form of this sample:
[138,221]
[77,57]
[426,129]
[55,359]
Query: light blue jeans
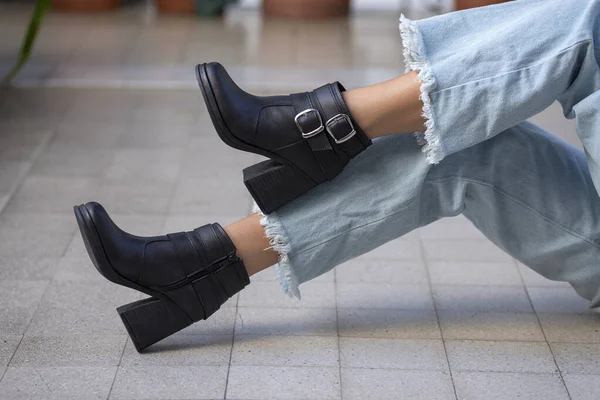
[484,71]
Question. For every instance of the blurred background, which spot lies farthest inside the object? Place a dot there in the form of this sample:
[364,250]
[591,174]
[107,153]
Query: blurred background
[106,108]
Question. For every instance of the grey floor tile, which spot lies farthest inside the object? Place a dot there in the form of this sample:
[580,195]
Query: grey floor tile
[33,243]
[181,350]
[532,278]
[577,358]
[382,271]
[21,144]
[286,321]
[42,194]
[63,162]
[220,323]
[388,324]
[19,301]
[410,354]
[28,267]
[384,296]
[288,351]
[481,298]
[80,135]
[474,273]
[456,228]
[3,201]
[57,383]
[69,307]
[75,321]
[134,166]
[489,356]
[383,384]
[206,150]
[252,382]
[170,382]
[77,268]
[156,135]
[557,300]
[137,224]
[398,249]
[42,221]
[8,345]
[11,174]
[490,326]
[69,350]
[18,293]
[464,250]
[574,328]
[14,320]
[141,198]
[583,387]
[199,196]
[508,386]
[269,294]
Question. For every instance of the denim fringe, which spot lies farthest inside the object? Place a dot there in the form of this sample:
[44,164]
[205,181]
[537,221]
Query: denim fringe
[279,241]
[415,61]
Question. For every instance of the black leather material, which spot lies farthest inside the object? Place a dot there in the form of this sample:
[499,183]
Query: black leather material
[198,270]
[267,125]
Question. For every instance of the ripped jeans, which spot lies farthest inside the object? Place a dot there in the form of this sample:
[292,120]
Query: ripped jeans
[483,72]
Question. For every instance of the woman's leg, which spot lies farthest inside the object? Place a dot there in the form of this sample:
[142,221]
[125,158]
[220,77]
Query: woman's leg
[252,245]
[548,218]
[388,107]
[485,70]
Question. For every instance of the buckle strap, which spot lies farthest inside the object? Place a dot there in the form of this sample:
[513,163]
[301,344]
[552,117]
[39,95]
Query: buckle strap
[310,124]
[340,126]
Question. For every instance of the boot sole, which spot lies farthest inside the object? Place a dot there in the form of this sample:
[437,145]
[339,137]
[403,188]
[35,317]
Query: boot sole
[147,321]
[272,183]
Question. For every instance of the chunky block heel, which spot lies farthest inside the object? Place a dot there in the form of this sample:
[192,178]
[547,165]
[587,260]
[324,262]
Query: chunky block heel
[273,184]
[151,320]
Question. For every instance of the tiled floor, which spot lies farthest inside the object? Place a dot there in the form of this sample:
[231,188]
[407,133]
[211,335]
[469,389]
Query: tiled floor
[438,314]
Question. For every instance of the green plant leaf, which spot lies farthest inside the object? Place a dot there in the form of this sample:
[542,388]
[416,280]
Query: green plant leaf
[41,8]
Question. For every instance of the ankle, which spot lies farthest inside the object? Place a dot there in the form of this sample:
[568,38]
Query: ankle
[365,120]
[389,107]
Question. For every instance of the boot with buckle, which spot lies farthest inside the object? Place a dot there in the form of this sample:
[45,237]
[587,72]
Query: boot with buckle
[188,275]
[308,137]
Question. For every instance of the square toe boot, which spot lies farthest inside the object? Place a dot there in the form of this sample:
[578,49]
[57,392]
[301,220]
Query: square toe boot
[188,275]
[308,137]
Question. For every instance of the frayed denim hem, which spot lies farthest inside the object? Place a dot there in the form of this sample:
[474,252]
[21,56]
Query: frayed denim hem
[279,241]
[415,61]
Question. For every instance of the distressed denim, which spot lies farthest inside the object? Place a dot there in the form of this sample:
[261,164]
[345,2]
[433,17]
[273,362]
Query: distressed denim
[483,72]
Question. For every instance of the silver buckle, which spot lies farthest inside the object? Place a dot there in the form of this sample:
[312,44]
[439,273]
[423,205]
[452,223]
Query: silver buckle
[348,136]
[320,129]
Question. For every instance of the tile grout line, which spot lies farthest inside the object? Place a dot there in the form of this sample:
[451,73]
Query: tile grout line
[237,302]
[34,156]
[36,153]
[231,351]
[11,357]
[112,384]
[437,316]
[537,318]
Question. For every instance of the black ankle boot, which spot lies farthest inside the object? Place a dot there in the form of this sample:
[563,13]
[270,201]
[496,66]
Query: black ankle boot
[188,275]
[309,137]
